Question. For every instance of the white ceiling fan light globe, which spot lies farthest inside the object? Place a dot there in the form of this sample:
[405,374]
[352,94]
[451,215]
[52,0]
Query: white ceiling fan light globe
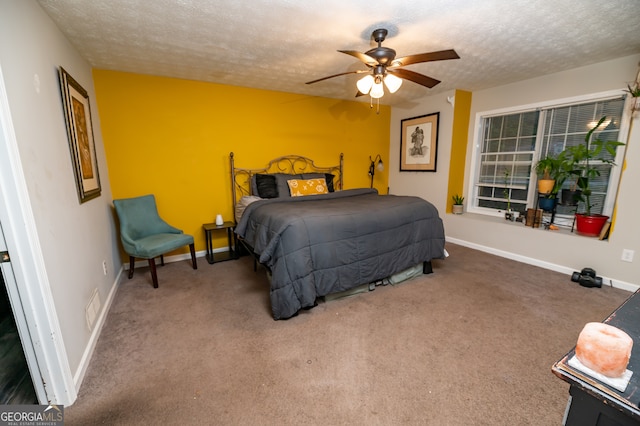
[377,91]
[393,83]
[365,83]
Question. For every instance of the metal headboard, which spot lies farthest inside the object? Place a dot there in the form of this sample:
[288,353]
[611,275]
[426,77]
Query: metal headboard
[289,164]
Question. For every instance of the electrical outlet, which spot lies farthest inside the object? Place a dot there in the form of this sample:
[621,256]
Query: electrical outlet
[104,267]
[627,255]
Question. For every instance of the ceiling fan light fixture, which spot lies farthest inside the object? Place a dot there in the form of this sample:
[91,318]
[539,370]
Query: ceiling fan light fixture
[365,83]
[377,91]
[382,63]
[392,82]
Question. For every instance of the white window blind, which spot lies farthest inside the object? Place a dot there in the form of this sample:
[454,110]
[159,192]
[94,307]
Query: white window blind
[568,126]
[511,144]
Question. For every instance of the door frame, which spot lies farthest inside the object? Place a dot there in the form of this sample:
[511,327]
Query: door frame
[31,296]
[9,282]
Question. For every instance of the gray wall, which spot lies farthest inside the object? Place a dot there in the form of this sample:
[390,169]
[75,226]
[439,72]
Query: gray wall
[74,238]
[560,251]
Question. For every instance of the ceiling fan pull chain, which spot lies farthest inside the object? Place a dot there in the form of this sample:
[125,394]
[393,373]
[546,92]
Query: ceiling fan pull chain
[371,104]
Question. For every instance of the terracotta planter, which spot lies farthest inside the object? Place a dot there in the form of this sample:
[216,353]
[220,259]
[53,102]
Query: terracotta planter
[457,208]
[545,186]
[590,226]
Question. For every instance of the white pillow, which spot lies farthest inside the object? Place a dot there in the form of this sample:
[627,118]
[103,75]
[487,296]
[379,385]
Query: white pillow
[243,203]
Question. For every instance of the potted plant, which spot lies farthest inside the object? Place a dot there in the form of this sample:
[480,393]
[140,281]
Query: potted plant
[547,169]
[571,195]
[508,215]
[634,91]
[553,172]
[582,160]
[458,204]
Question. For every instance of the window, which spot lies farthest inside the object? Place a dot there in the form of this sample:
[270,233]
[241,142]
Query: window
[509,146]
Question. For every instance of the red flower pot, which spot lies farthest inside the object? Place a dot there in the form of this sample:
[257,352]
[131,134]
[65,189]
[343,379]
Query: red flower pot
[590,226]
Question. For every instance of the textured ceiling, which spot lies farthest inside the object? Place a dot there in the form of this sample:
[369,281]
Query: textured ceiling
[281,44]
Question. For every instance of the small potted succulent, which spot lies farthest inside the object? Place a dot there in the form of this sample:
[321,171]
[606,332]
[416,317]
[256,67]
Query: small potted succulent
[458,204]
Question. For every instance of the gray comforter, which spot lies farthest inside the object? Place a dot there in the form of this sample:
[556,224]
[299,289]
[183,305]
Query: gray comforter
[322,244]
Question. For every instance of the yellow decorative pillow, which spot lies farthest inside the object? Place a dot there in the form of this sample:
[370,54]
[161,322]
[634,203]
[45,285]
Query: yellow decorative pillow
[302,187]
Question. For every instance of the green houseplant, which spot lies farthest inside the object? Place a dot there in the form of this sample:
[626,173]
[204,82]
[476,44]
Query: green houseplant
[571,195]
[582,161]
[508,214]
[458,204]
[557,170]
[634,91]
[547,170]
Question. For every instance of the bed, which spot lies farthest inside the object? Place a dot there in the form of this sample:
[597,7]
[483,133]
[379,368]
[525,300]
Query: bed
[332,240]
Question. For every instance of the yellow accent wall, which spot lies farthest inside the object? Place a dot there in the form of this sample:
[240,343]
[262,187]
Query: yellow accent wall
[461,111]
[172,138]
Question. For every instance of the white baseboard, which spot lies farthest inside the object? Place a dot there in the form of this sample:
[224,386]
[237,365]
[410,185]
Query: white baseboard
[97,329]
[95,333]
[540,263]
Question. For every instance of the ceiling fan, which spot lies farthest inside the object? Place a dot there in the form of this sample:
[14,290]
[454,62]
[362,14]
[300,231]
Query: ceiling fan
[383,66]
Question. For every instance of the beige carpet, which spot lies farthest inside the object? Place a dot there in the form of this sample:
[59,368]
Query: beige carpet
[471,344]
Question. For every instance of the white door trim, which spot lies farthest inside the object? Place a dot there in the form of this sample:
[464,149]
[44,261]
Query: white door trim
[9,281]
[32,285]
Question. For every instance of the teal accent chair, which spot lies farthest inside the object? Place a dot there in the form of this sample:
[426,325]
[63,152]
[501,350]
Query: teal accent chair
[145,235]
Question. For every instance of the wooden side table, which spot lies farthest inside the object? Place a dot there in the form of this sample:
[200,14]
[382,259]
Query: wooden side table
[220,257]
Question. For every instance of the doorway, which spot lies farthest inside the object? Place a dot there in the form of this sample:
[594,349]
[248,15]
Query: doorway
[25,279]
[16,386]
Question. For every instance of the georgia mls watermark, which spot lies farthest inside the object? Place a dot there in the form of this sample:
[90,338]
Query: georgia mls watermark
[31,415]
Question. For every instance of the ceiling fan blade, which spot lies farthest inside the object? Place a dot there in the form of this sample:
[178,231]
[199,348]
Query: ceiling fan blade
[415,77]
[361,56]
[336,75]
[425,57]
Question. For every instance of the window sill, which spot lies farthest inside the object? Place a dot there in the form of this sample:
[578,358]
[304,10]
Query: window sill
[562,229]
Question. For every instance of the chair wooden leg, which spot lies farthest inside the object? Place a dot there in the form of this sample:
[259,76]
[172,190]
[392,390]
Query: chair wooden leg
[154,275]
[162,259]
[132,263]
[192,249]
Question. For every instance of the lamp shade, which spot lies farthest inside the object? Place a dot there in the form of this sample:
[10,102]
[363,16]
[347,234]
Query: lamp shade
[393,83]
[365,83]
[380,166]
[377,91]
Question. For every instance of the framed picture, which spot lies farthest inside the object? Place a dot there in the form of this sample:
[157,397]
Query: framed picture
[419,143]
[80,131]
